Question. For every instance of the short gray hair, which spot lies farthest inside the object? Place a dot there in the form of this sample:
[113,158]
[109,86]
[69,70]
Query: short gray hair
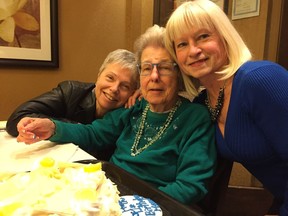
[124,58]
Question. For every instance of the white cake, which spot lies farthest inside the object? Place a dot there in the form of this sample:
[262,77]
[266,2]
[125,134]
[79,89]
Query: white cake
[53,187]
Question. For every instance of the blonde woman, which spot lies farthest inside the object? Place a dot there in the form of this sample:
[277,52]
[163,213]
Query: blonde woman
[247,100]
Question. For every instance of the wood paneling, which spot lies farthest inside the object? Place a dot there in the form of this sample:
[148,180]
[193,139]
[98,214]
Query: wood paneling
[282,57]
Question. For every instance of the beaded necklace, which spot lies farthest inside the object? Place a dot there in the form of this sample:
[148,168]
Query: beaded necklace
[215,112]
[134,149]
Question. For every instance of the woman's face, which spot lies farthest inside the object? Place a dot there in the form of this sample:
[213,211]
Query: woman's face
[113,87]
[200,52]
[159,90]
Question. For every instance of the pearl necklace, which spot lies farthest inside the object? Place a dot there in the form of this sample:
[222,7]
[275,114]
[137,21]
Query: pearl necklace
[134,149]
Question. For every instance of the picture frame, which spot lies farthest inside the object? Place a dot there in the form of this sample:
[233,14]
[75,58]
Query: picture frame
[163,9]
[245,9]
[283,35]
[223,4]
[34,42]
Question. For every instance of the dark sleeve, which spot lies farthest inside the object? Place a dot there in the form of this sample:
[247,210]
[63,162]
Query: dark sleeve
[50,104]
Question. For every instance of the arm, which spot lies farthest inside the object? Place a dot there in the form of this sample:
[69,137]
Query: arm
[101,134]
[50,104]
[197,159]
[96,136]
[266,93]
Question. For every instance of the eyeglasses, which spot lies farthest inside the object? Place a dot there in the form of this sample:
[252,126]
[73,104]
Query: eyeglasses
[163,68]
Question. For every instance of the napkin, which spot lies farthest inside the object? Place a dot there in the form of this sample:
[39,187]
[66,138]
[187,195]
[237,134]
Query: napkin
[2,125]
[19,157]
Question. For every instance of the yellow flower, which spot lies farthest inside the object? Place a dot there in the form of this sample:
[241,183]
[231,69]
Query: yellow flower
[11,16]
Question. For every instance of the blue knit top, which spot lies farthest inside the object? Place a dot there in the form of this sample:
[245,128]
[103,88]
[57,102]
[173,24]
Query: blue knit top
[256,130]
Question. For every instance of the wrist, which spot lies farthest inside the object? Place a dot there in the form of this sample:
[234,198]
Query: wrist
[52,128]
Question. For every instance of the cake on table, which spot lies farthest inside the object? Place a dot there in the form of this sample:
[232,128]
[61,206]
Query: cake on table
[57,187]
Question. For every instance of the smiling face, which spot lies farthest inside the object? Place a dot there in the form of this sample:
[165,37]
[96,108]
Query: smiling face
[200,52]
[114,86]
[160,91]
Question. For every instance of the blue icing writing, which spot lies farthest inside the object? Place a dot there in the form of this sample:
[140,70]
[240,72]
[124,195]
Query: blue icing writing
[137,205]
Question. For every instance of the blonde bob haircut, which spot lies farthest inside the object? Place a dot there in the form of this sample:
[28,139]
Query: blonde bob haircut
[206,14]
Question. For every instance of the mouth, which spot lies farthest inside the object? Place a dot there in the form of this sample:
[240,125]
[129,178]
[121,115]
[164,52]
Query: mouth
[109,97]
[155,90]
[198,62]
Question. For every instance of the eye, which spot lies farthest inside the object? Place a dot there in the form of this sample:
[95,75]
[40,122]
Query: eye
[203,36]
[109,77]
[125,87]
[146,67]
[165,66]
[181,44]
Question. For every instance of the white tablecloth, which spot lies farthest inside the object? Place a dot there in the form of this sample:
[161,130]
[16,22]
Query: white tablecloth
[17,157]
[2,125]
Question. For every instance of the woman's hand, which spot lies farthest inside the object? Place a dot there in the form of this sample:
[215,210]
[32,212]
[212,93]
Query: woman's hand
[32,130]
[132,99]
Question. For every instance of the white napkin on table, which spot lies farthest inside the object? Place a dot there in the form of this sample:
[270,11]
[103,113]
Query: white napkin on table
[2,125]
[18,157]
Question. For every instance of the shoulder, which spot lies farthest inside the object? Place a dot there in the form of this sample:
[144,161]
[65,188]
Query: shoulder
[76,84]
[259,81]
[72,89]
[258,69]
[259,64]
[123,112]
[261,73]
[192,105]
[194,110]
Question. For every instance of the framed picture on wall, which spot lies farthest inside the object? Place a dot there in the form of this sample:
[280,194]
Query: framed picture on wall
[223,4]
[163,9]
[29,33]
[220,3]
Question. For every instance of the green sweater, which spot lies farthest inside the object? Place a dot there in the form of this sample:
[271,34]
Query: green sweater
[179,163]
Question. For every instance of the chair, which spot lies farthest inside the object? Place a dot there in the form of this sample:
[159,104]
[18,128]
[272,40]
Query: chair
[105,154]
[212,204]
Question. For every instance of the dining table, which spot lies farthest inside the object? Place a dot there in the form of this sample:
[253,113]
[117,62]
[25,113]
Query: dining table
[20,157]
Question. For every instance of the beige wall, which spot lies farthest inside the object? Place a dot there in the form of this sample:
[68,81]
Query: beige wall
[261,32]
[87,33]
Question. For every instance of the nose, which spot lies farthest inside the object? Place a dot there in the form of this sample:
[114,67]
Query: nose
[114,87]
[154,74]
[194,49]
